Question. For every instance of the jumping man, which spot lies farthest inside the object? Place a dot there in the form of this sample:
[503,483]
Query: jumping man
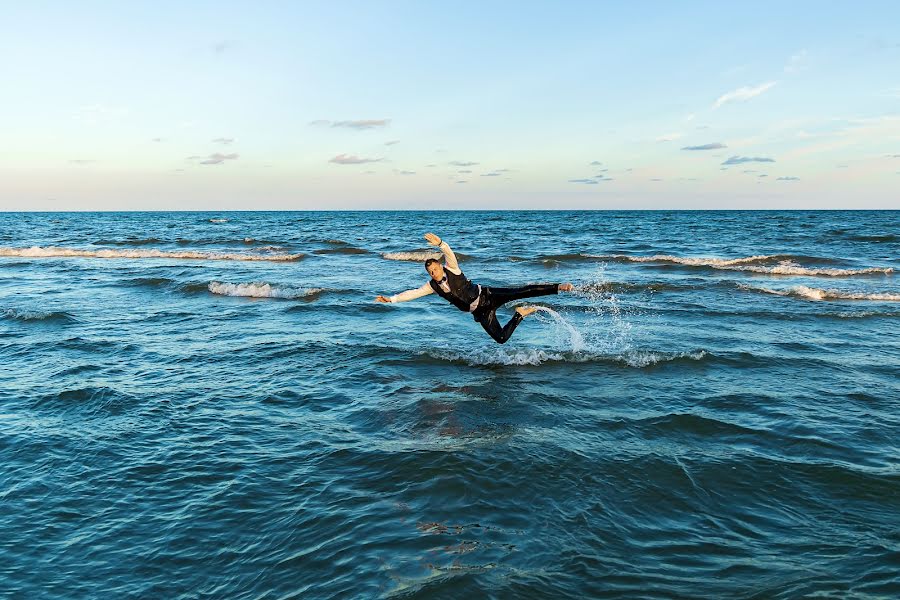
[448,282]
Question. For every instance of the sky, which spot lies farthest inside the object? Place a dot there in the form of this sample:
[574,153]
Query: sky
[465,105]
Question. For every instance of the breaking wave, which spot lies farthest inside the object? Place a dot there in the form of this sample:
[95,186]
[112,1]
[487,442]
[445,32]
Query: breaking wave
[262,290]
[769,264]
[810,293]
[341,250]
[60,252]
[17,314]
[637,359]
[420,255]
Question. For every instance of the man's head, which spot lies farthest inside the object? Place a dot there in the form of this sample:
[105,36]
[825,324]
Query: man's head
[434,268]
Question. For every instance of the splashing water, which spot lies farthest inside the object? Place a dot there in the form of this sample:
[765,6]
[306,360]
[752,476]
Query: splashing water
[609,329]
[606,330]
[575,337]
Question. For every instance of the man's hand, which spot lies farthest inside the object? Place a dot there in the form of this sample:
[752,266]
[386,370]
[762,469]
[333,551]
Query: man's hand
[382,299]
[433,239]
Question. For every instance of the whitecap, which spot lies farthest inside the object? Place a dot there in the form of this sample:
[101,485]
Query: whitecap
[415,256]
[753,264]
[261,290]
[811,293]
[60,252]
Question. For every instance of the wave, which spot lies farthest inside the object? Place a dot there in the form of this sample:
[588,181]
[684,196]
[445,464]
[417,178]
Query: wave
[246,241]
[262,290]
[785,264]
[219,220]
[415,256]
[129,242]
[17,314]
[60,252]
[883,239]
[421,255]
[556,258]
[341,250]
[638,359]
[810,293]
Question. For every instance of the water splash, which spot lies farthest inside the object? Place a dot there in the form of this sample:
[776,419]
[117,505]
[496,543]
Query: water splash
[576,339]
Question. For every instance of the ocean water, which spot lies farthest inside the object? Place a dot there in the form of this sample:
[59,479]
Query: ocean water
[211,405]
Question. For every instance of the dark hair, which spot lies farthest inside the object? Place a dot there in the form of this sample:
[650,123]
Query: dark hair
[429,261]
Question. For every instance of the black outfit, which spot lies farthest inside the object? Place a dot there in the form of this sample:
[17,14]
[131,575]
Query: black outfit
[493,298]
[462,293]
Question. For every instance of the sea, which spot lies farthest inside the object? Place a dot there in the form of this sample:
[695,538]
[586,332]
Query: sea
[212,405]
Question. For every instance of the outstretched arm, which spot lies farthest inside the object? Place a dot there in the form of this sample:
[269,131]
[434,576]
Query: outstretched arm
[407,295]
[449,257]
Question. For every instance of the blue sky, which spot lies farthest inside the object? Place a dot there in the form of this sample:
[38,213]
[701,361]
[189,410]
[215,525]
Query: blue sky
[227,105]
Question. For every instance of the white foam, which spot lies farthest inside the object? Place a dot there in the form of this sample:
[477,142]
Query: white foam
[749,263]
[29,315]
[810,293]
[56,252]
[575,338]
[218,220]
[637,359]
[260,290]
[417,256]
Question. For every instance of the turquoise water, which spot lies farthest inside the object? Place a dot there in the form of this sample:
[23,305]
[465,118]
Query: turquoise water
[211,405]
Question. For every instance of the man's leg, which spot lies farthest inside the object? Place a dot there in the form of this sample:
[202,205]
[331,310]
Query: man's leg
[500,334]
[501,295]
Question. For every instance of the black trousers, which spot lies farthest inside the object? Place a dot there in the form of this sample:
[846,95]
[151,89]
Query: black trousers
[493,298]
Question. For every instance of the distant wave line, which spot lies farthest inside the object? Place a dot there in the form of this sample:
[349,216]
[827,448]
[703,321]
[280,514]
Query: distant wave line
[60,252]
[754,264]
[810,293]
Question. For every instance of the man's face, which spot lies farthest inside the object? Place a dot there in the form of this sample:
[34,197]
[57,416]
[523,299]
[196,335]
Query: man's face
[436,270]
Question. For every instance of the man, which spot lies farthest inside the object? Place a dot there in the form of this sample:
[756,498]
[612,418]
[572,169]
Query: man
[448,282]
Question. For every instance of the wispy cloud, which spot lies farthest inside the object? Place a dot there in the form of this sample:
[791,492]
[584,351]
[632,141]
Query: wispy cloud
[595,163]
[591,180]
[713,146]
[788,178]
[156,140]
[392,142]
[350,159]
[739,160]
[492,174]
[217,158]
[405,172]
[223,140]
[358,124]
[461,163]
[743,94]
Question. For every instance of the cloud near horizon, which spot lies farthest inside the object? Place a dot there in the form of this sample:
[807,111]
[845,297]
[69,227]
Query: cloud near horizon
[223,140]
[218,159]
[461,163]
[358,124]
[743,94]
[739,160]
[714,146]
[352,159]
